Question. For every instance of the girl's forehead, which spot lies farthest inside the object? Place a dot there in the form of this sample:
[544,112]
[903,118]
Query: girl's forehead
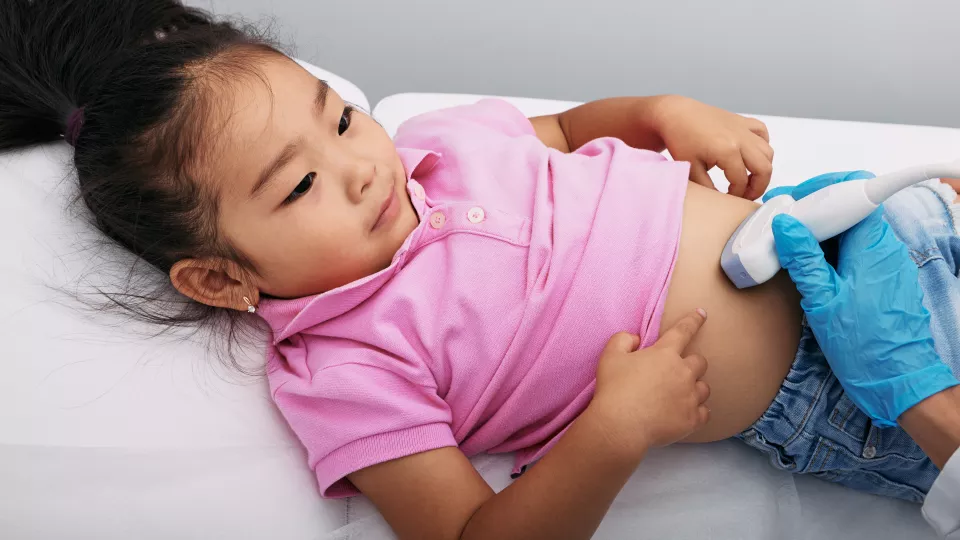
[281,97]
[259,116]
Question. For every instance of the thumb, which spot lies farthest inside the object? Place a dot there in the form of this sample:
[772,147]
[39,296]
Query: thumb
[870,244]
[801,256]
[622,342]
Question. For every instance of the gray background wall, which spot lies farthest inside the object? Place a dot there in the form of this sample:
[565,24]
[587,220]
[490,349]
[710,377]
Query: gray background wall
[879,60]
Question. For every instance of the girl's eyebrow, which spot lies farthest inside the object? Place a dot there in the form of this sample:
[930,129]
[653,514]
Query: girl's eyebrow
[320,101]
[291,150]
[269,172]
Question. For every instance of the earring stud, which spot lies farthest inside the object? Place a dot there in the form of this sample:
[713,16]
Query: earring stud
[250,307]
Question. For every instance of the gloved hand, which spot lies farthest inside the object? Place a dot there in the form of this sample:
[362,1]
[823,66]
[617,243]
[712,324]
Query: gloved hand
[867,314]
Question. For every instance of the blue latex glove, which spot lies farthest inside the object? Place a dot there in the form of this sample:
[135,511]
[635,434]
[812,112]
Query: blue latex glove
[867,314]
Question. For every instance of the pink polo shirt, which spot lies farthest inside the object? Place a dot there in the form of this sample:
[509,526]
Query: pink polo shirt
[485,331]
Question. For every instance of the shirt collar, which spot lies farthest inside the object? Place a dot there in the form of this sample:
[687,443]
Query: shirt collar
[417,162]
[289,316]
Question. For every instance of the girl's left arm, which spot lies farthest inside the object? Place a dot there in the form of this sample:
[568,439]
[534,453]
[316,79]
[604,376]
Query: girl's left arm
[692,131]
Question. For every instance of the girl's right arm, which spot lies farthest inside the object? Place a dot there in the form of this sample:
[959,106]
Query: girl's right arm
[643,399]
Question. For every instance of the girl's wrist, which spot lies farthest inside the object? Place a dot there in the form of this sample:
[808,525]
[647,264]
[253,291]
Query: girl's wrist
[934,424]
[662,110]
[618,442]
[660,114]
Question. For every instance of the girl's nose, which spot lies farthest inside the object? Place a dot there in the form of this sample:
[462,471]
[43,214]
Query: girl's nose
[358,179]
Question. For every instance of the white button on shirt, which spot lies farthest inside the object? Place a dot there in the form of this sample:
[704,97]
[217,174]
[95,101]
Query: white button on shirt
[437,219]
[475,214]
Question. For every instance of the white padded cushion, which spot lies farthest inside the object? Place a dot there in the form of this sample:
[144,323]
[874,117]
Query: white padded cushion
[105,433]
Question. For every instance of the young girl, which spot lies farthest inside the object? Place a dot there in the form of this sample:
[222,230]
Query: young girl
[455,290]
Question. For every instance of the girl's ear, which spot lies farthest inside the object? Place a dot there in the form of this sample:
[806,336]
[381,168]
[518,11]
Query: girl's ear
[215,282]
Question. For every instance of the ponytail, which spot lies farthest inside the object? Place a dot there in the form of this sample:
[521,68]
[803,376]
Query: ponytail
[56,54]
[130,84]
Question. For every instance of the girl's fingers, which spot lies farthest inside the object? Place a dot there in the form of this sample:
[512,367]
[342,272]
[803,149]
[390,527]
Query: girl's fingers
[622,342]
[698,175]
[703,391]
[759,128]
[697,365]
[735,171]
[704,414]
[678,336]
[760,168]
[767,150]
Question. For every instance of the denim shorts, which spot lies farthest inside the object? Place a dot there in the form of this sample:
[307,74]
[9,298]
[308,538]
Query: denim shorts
[812,427]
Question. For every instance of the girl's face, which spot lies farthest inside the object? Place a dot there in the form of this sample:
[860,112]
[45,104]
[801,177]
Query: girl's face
[312,192]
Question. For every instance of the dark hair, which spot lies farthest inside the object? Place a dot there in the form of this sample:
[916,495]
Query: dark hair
[146,74]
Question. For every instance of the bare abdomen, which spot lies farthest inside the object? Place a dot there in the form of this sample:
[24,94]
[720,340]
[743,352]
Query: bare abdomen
[751,335]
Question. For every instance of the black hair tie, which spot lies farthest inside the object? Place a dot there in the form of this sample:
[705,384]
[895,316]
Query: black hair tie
[74,123]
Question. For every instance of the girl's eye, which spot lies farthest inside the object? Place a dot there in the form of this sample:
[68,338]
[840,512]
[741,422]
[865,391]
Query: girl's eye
[345,120]
[302,188]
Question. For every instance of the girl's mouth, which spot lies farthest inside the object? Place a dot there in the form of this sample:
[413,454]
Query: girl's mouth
[388,211]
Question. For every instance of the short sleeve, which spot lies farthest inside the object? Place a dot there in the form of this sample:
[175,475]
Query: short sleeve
[353,415]
[489,117]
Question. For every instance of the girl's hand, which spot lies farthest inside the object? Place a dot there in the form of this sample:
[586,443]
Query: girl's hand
[651,397]
[707,136]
